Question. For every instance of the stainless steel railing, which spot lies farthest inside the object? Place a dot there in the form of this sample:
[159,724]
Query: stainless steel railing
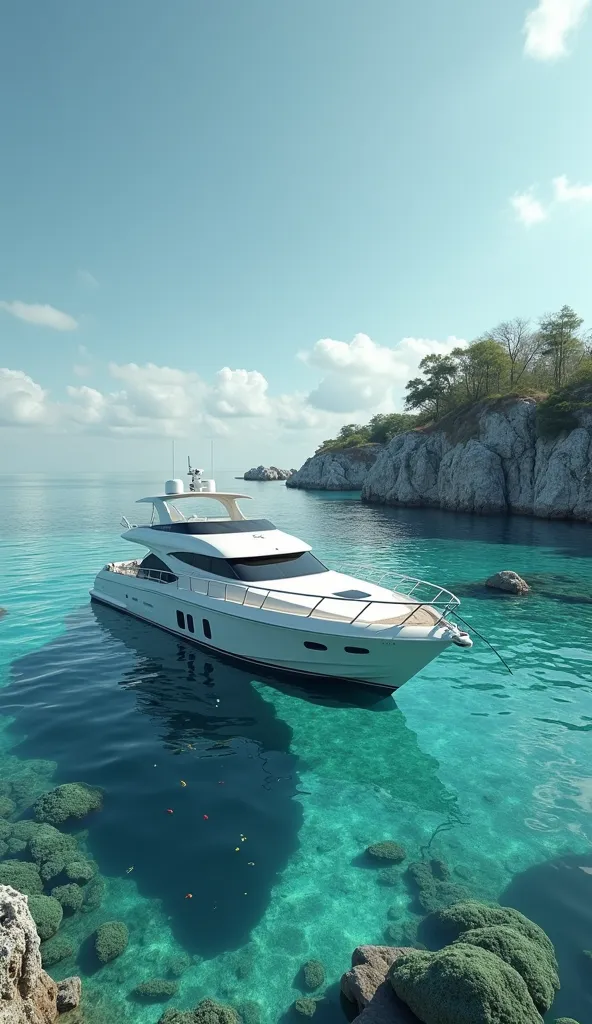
[409,597]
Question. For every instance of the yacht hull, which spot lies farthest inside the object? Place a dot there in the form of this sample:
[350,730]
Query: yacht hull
[317,648]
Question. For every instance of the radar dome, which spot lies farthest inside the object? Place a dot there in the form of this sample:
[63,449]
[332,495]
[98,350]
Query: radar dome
[174,487]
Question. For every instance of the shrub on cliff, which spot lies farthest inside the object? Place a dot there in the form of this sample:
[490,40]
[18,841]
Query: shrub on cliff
[462,985]
[111,940]
[72,800]
[47,914]
[524,955]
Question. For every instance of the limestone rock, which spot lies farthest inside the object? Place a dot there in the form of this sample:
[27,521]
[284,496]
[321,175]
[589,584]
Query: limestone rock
[509,581]
[336,471]
[366,985]
[27,993]
[268,473]
[69,993]
[487,460]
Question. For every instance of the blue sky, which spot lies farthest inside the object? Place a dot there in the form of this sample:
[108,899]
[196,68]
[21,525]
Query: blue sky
[251,219]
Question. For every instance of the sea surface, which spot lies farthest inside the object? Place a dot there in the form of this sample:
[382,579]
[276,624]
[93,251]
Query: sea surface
[286,785]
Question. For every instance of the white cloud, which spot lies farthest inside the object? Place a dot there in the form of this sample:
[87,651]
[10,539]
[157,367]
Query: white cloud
[548,26]
[22,401]
[566,193]
[363,376]
[87,279]
[40,315]
[528,209]
[239,393]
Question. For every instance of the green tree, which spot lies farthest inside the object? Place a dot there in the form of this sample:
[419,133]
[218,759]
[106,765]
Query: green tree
[384,426]
[560,342]
[430,392]
[482,368]
[520,343]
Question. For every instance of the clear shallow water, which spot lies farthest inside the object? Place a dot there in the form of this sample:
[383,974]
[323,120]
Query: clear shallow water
[492,769]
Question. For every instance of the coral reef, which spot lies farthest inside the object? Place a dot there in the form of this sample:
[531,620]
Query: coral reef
[387,850]
[71,800]
[70,896]
[111,940]
[47,914]
[21,875]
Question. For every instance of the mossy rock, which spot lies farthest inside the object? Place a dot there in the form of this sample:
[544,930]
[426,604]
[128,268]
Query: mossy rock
[179,964]
[565,1020]
[93,894]
[305,1007]
[313,973]
[208,1011]
[71,800]
[387,850]
[250,1012]
[48,843]
[462,984]
[55,950]
[177,1017]
[156,990]
[467,915]
[3,848]
[47,914]
[7,807]
[21,875]
[524,955]
[52,868]
[429,882]
[70,896]
[111,940]
[80,870]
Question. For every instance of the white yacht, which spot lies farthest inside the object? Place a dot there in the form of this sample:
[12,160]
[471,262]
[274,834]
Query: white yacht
[243,588]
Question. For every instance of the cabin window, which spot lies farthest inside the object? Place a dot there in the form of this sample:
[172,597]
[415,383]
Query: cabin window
[312,646]
[206,629]
[356,650]
[214,566]
[190,624]
[153,568]
[277,567]
[180,620]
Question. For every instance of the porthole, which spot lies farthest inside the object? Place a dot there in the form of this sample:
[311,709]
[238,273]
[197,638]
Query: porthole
[190,624]
[206,629]
[312,646]
[356,650]
[180,620]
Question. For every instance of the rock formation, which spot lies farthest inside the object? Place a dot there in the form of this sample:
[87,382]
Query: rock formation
[268,473]
[366,985]
[27,994]
[345,470]
[508,581]
[488,459]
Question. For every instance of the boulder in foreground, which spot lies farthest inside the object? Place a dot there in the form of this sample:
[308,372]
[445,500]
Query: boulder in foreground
[508,581]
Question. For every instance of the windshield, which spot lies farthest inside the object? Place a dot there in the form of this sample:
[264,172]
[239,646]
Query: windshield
[277,567]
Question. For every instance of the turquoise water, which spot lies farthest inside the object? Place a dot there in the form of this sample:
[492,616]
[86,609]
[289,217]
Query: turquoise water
[486,770]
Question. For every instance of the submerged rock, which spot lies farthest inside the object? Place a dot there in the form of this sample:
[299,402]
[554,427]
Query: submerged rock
[70,896]
[47,914]
[366,986]
[156,990]
[387,850]
[450,922]
[55,950]
[111,940]
[462,984]
[7,806]
[313,973]
[508,581]
[22,876]
[526,956]
[72,800]
[305,1007]
[429,882]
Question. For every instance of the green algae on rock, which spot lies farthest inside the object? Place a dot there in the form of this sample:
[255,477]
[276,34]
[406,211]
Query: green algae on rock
[524,955]
[80,870]
[387,850]
[93,894]
[565,1020]
[71,800]
[313,973]
[7,806]
[467,915]
[179,964]
[22,876]
[462,984]
[55,950]
[305,1007]
[208,1011]
[48,843]
[431,886]
[250,1012]
[111,940]
[47,914]
[70,896]
[156,990]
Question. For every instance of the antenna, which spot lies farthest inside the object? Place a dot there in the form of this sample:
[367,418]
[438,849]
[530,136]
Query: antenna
[212,457]
[173,458]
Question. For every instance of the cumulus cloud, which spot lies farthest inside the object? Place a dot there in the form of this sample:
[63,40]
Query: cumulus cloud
[40,315]
[528,210]
[239,393]
[548,26]
[22,401]
[566,193]
[362,375]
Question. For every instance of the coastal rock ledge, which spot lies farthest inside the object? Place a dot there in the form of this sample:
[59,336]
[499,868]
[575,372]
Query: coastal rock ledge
[489,459]
[27,994]
[345,470]
[268,473]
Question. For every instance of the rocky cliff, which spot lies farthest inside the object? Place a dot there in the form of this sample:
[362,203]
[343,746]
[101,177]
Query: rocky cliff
[336,471]
[488,459]
[268,473]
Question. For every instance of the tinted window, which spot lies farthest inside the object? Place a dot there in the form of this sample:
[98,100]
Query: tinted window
[180,620]
[155,569]
[277,567]
[206,629]
[216,566]
[190,624]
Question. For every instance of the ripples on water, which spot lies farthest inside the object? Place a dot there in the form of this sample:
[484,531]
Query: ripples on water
[492,769]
